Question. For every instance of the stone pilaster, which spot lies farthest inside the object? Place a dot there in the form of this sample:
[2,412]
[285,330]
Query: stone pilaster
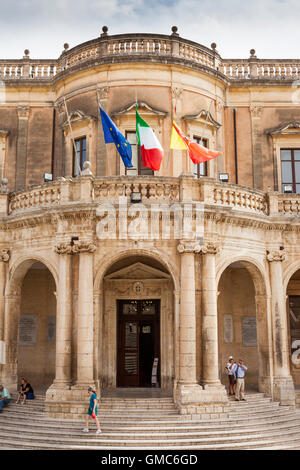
[210,375]
[255,112]
[101,153]
[283,387]
[4,258]
[23,115]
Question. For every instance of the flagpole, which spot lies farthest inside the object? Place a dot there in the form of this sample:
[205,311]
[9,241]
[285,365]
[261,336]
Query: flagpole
[72,137]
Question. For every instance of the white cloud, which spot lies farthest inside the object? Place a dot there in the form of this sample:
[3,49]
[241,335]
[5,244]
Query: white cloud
[269,26]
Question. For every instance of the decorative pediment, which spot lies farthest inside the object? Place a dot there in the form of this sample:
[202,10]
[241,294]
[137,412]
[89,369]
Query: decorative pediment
[291,127]
[78,116]
[138,271]
[204,117]
[143,107]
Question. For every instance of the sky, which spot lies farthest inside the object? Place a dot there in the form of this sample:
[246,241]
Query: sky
[271,27]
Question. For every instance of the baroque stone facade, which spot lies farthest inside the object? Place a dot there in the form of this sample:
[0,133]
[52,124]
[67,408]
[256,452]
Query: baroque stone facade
[199,270]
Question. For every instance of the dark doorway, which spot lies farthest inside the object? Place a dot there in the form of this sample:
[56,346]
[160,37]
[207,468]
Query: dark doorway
[138,342]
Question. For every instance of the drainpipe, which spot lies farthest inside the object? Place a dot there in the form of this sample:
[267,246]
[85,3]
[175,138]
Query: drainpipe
[53,142]
[235,146]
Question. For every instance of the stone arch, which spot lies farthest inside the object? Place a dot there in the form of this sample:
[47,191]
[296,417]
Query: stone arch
[257,288]
[14,298]
[20,267]
[110,287]
[291,285]
[122,254]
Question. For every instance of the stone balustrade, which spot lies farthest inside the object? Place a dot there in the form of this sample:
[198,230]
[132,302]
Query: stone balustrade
[106,49]
[161,190]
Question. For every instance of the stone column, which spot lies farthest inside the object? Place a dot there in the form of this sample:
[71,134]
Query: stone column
[4,257]
[85,320]
[188,388]
[63,320]
[9,373]
[210,373]
[283,387]
[23,115]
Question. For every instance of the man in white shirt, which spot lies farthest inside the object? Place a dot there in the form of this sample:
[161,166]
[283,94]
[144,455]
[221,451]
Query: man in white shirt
[4,397]
[239,373]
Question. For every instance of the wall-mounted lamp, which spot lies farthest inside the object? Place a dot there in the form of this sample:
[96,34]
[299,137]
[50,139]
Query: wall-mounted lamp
[48,177]
[287,188]
[135,197]
[224,177]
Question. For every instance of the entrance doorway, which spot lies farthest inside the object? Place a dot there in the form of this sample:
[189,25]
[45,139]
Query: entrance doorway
[138,339]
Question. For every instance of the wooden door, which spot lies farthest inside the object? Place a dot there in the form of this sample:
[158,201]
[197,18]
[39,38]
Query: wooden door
[138,341]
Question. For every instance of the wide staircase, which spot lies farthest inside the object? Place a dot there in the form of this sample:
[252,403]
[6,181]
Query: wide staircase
[153,423]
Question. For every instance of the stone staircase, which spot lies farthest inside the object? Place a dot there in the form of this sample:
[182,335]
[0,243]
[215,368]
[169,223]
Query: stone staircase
[154,423]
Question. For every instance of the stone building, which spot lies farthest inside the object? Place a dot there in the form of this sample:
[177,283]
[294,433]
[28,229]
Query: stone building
[84,297]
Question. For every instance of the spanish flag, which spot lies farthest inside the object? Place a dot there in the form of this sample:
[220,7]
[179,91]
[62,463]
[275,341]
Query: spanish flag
[197,153]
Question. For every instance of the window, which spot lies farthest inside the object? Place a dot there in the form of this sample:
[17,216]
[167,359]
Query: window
[200,169]
[290,168]
[138,167]
[80,145]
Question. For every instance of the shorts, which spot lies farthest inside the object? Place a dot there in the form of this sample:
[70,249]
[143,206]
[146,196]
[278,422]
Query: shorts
[232,380]
[29,396]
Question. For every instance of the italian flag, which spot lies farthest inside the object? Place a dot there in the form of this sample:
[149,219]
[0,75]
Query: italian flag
[152,152]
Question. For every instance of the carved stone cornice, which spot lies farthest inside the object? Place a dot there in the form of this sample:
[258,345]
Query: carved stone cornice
[210,248]
[102,92]
[275,255]
[188,247]
[4,255]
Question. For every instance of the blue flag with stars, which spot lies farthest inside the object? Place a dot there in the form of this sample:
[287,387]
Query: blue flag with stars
[113,135]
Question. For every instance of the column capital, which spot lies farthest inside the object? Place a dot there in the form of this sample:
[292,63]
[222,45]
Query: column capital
[4,255]
[188,247]
[275,255]
[74,248]
[210,248]
[23,112]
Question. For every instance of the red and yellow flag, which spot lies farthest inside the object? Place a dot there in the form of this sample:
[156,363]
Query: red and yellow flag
[197,152]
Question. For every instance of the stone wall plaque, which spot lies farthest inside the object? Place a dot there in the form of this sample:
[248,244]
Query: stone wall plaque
[51,329]
[228,329]
[249,331]
[28,330]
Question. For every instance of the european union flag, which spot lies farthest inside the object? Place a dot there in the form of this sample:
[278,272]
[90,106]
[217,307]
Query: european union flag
[113,135]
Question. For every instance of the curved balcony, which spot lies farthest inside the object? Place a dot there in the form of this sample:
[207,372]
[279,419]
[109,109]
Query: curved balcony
[221,197]
[159,48]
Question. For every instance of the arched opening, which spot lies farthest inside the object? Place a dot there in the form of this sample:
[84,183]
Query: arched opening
[31,325]
[243,325]
[137,322]
[293,321]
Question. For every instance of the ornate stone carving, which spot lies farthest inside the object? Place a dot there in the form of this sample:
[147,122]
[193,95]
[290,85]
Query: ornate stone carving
[23,112]
[138,287]
[4,255]
[103,92]
[77,247]
[176,92]
[210,249]
[275,255]
[255,111]
[188,247]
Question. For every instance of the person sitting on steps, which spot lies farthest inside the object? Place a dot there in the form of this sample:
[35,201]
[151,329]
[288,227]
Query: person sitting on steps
[25,392]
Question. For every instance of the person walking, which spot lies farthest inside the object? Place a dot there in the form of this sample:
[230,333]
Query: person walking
[231,376]
[4,396]
[239,373]
[92,411]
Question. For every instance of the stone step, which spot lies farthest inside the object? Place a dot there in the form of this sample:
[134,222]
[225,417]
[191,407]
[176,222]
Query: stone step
[142,433]
[93,441]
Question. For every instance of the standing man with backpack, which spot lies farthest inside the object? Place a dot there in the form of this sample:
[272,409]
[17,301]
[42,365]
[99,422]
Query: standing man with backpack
[239,372]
